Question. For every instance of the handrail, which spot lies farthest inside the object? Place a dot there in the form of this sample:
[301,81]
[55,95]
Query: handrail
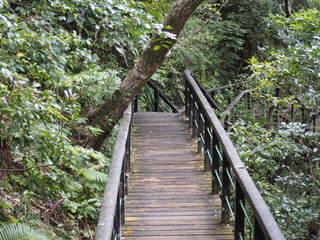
[112,212]
[212,137]
[212,103]
[157,95]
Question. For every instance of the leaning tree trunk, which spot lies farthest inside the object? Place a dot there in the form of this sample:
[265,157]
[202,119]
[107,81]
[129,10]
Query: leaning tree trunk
[150,60]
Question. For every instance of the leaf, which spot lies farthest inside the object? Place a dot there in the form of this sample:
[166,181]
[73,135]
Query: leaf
[14,220]
[20,55]
[20,231]
[120,50]
[157,47]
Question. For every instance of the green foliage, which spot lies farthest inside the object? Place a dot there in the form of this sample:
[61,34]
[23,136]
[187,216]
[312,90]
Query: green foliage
[157,8]
[295,66]
[94,179]
[19,231]
[280,142]
[58,61]
[92,86]
[283,170]
[220,37]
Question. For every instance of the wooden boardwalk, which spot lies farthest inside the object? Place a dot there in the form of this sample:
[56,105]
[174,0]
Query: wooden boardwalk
[169,193]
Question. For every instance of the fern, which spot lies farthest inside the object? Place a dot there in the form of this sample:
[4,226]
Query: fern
[94,178]
[94,175]
[19,231]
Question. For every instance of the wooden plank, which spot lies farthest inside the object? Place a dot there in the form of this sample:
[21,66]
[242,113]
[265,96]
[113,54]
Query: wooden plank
[139,213]
[172,209]
[169,193]
[206,237]
[185,232]
[172,222]
[177,227]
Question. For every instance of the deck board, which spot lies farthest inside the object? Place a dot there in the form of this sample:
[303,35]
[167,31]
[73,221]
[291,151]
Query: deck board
[169,193]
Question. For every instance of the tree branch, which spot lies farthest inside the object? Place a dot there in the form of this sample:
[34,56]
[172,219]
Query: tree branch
[308,4]
[235,101]
[226,86]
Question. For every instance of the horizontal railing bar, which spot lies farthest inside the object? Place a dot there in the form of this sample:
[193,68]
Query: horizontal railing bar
[108,208]
[230,208]
[209,132]
[218,151]
[246,215]
[162,96]
[202,139]
[202,118]
[218,177]
[263,215]
[196,105]
[196,123]
[230,178]
[209,155]
[240,236]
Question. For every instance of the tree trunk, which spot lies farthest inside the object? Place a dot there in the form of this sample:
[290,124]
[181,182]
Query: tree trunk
[150,60]
[287,4]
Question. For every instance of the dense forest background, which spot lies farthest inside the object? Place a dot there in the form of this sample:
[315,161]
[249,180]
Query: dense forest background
[60,59]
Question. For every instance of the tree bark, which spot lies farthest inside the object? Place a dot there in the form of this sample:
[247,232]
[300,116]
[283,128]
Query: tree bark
[231,106]
[227,86]
[287,4]
[150,60]
[235,101]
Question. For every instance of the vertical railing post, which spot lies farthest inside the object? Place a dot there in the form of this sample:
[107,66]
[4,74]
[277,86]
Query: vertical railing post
[127,161]
[195,118]
[191,118]
[122,196]
[136,104]
[215,164]
[207,145]
[225,214]
[239,214]
[258,234]
[187,98]
[117,218]
[128,153]
[201,131]
[156,100]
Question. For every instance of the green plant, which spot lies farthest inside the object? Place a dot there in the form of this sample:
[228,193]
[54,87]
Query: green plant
[219,39]
[20,231]
[58,59]
[283,170]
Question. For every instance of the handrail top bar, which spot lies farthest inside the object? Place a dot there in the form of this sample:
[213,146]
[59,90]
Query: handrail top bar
[107,211]
[152,83]
[212,103]
[261,210]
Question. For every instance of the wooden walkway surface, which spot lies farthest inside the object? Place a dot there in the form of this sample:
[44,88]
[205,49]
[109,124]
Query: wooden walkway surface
[169,193]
